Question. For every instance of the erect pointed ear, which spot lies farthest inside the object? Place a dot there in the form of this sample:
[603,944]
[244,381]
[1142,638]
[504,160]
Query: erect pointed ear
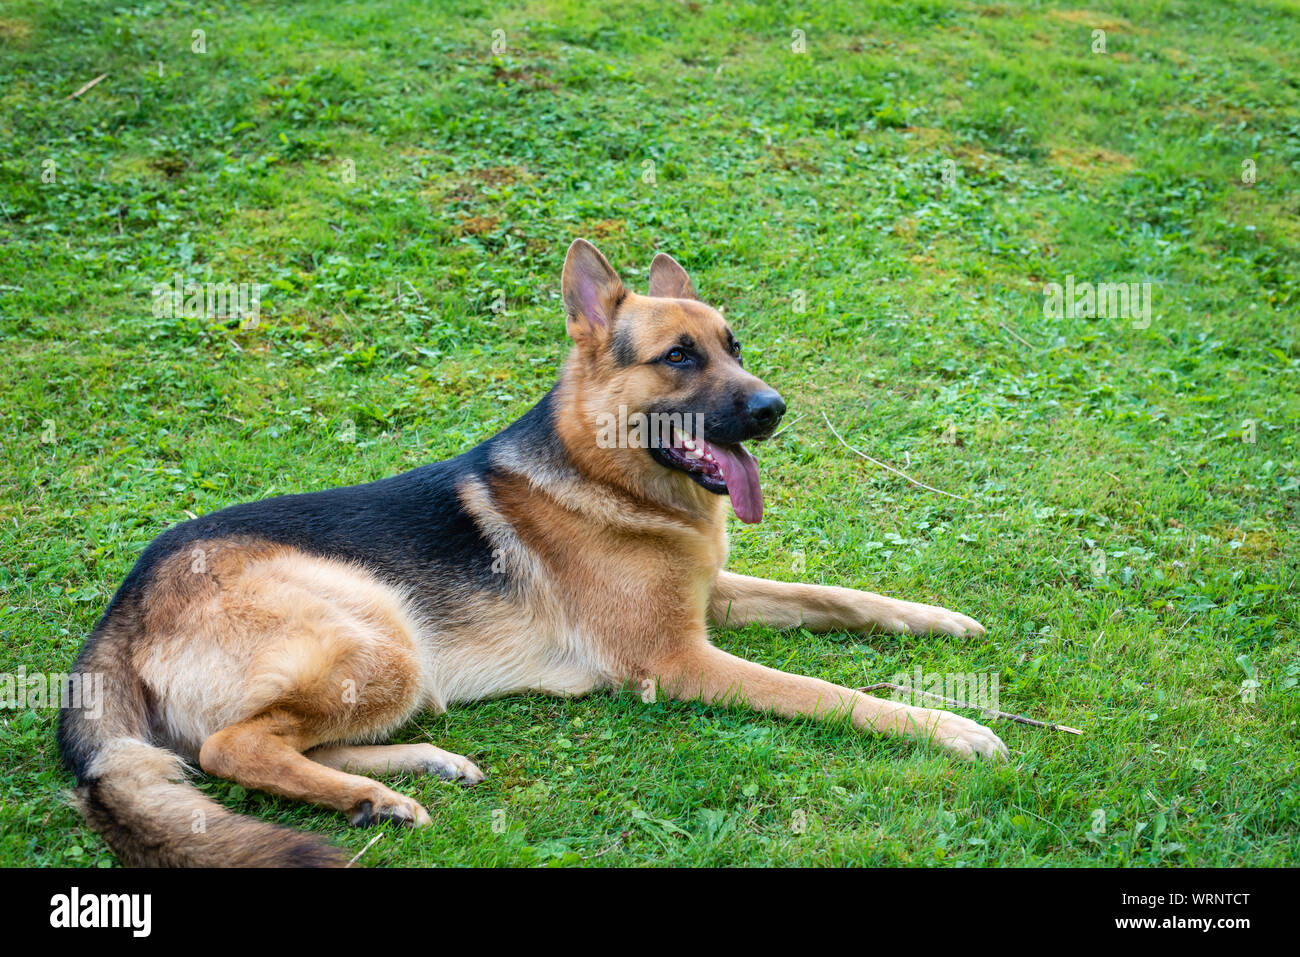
[668,280]
[591,290]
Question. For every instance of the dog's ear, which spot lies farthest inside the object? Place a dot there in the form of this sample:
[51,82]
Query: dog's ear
[668,280]
[591,290]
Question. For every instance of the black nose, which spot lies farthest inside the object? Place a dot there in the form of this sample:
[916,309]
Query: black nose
[765,408]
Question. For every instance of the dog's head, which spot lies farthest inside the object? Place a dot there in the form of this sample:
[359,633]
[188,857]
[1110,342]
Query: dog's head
[662,381]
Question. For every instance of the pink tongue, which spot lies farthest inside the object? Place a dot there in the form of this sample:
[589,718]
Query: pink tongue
[740,472]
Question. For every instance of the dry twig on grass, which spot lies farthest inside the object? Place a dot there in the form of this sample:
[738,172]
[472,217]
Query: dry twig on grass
[73,96]
[368,846]
[890,468]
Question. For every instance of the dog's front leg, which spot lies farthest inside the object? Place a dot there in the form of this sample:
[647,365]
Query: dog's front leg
[740,600]
[705,673]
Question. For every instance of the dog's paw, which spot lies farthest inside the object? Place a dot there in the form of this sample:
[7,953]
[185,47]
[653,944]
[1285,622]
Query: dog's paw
[449,766]
[966,738]
[911,618]
[389,806]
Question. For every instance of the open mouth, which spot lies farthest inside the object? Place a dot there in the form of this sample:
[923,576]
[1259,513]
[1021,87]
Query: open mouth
[719,467]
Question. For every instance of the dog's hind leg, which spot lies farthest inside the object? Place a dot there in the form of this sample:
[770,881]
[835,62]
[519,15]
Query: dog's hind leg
[328,655]
[398,759]
[266,753]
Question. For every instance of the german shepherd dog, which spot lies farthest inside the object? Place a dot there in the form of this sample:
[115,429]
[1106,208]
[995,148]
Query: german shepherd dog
[279,643]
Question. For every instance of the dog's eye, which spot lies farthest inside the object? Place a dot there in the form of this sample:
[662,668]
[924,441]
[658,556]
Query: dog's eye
[676,356]
[735,349]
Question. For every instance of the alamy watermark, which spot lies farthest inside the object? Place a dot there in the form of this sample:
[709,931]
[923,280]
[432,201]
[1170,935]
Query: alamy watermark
[966,690]
[130,911]
[80,692]
[188,299]
[650,430]
[1104,300]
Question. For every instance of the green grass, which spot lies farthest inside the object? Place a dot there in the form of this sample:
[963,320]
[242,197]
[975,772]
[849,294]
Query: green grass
[777,178]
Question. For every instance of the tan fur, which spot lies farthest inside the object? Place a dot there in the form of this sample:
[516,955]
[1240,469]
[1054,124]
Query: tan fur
[266,753]
[398,759]
[265,627]
[740,600]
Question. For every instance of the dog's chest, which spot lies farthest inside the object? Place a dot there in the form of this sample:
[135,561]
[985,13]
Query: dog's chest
[601,617]
[629,603]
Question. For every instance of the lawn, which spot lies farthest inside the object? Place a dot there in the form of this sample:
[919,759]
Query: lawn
[878,194]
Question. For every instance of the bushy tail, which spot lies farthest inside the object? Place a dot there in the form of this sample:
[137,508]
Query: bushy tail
[136,796]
